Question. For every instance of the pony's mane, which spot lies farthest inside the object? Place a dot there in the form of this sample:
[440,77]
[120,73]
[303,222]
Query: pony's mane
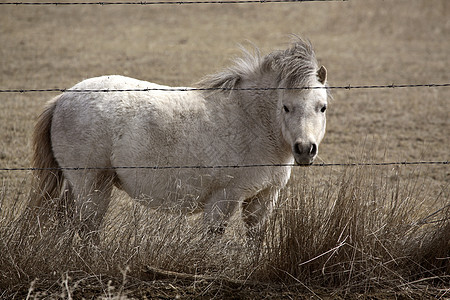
[293,67]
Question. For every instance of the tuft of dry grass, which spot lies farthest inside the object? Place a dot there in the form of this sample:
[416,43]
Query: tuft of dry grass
[358,234]
[368,231]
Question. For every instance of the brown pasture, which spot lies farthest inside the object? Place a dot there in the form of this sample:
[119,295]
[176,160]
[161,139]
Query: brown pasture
[361,42]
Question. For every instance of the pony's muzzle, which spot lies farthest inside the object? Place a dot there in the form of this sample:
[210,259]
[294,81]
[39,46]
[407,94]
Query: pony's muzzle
[305,153]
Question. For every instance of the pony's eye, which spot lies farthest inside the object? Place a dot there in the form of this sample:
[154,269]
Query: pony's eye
[285,108]
[323,109]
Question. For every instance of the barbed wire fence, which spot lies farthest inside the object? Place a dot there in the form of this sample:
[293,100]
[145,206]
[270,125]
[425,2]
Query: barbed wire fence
[143,3]
[359,164]
[188,89]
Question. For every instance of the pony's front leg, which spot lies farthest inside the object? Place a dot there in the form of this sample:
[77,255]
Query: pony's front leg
[218,209]
[256,209]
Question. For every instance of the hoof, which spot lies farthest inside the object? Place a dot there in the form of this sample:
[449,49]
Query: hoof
[216,230]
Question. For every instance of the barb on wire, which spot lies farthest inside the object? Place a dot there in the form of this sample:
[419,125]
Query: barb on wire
[233,166]
[188,89]
[105,3]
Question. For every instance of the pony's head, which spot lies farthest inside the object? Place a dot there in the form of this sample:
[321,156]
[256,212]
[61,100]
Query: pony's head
[296,89]
[302,116]
[302,99]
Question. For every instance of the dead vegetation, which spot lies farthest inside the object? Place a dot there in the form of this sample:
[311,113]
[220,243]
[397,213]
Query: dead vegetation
[367,232]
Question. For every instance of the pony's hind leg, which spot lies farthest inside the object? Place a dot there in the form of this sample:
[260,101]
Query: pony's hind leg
[92,193]
[254,213]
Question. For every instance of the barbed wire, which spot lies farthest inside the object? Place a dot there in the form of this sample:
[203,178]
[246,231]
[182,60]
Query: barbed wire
[189,89]
[361,164]
[105,3]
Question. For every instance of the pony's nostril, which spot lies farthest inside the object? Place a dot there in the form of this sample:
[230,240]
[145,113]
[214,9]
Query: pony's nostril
[298,148]
[305,149]
[313,150]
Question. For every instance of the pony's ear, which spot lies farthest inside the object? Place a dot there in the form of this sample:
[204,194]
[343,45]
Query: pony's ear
[322,74]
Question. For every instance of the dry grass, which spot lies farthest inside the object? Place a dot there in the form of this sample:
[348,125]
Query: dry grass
[337,233]
[364,233]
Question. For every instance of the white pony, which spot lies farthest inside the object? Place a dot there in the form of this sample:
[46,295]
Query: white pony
[256,112]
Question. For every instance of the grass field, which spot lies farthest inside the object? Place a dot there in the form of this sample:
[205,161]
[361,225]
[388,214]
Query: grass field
[338,233]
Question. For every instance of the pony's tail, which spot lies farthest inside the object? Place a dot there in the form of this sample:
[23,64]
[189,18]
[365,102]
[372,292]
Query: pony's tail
[48,178]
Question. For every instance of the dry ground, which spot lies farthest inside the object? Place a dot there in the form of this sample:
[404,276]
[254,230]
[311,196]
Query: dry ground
[360,42]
